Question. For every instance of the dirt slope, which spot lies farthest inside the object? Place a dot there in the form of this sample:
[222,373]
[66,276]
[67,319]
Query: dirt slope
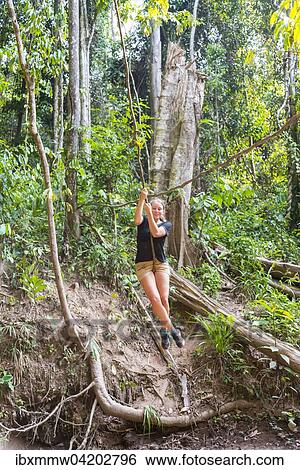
[46,368]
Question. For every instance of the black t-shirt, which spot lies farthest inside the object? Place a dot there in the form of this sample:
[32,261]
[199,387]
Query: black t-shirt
[144,249]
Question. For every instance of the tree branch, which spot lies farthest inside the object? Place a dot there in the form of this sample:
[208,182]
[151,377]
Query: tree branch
[228,162]
[83,444]
[237,156]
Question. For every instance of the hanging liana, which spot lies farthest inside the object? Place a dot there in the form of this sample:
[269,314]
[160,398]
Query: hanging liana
[127,74]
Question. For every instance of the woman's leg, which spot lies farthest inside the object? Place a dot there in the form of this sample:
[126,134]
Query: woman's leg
[163,285]
[149,285]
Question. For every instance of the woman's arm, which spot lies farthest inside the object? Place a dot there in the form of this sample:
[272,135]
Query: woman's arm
[138,216]
[155,231]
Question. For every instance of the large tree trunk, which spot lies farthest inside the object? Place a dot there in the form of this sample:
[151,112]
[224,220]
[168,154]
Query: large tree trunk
[58,114]
[193,30]
[294,180]
[58,93]
[155,71]
[20,112]
[175,143]
[85,97]
[72,228]
[293,209]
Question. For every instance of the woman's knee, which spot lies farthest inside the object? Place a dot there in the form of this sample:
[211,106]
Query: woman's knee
[165,300]
[155,299]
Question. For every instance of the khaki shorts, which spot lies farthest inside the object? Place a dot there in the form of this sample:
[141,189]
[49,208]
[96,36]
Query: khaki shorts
[145,267]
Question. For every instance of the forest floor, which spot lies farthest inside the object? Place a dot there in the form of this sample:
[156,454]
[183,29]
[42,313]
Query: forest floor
[46,368]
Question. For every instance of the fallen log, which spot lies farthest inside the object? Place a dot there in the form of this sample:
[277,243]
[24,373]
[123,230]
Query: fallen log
[279,269]
[290,291]
[187,293]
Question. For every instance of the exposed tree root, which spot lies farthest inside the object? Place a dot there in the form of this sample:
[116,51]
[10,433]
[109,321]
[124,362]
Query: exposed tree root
[83,444]
[112,408]
[53,412]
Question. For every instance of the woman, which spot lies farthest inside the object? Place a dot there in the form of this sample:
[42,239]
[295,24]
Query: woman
[152,268]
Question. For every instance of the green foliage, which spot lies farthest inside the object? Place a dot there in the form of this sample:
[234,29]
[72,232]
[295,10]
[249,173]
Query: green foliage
[114,154]
[107,257]
[202,207]
[22,206]
[44,35]
[107,176]
[210,278]
[45,54]
[286,22]
[21,337]
[6,381]
[249,221]
[32,284]
[219,340]
[205,275]
[250,274]
[5,229]
[218,333]
[124,383]
[155,11]
[151,418]
[276,314]
[228,194]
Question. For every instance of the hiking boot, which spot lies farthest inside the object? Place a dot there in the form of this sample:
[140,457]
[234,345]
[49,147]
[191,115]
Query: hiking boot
[165,338]
[176,335]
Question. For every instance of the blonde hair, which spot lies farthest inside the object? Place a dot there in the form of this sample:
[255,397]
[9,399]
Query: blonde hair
[160,201]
